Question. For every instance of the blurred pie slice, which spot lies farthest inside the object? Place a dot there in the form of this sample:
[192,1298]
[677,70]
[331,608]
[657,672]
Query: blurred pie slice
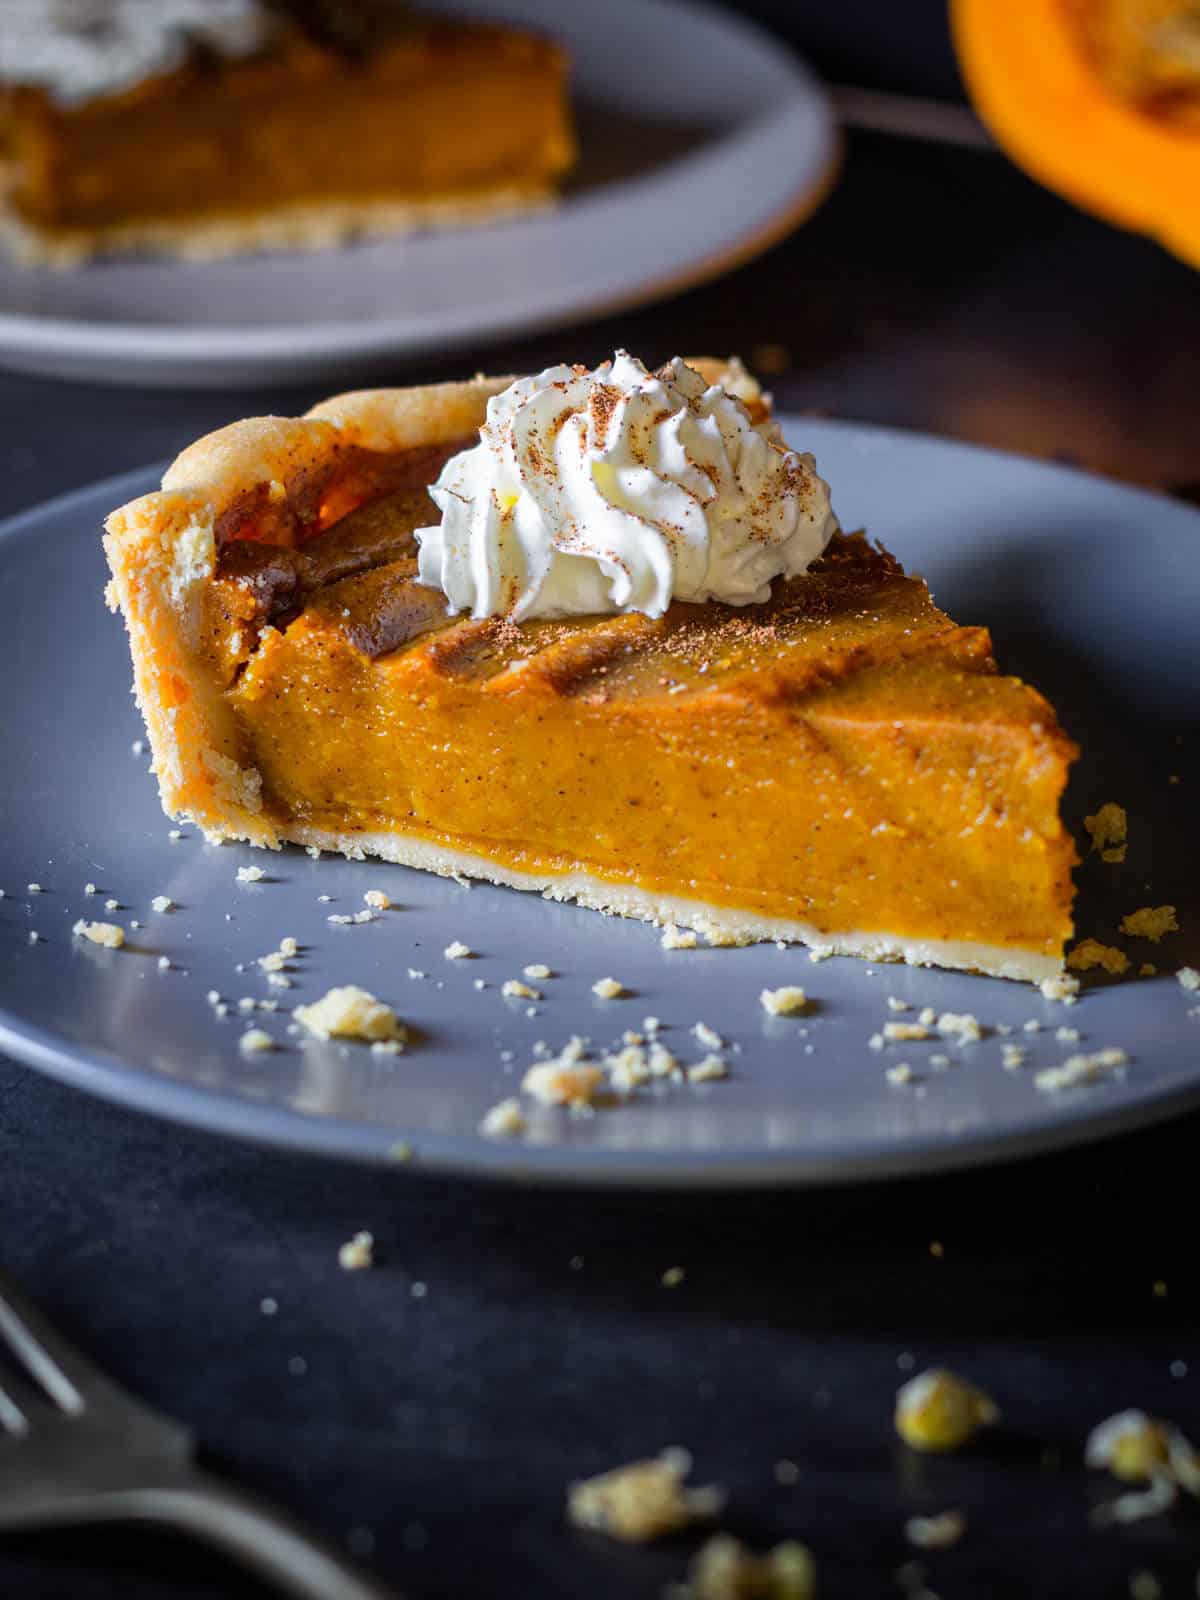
[841,766]
[209,127]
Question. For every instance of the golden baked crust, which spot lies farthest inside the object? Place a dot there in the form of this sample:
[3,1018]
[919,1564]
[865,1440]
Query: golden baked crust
[162,552]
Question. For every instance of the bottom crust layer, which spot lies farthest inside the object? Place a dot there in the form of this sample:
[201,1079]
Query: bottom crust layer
[307,226]
[719,924]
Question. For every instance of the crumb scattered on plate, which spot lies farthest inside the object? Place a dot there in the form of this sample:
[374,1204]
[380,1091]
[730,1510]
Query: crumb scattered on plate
[349,1012]
[109,934]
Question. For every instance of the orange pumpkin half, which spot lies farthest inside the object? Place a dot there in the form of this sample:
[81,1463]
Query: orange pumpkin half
[1097,99]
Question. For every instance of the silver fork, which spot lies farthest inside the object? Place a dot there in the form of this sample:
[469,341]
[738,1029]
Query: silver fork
[80,1450]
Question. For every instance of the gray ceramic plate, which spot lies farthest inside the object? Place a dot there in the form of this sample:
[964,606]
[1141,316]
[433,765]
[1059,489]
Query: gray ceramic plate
[1091,590]
[701,142]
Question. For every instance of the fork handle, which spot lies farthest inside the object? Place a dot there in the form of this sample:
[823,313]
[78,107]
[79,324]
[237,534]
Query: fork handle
[255,1535]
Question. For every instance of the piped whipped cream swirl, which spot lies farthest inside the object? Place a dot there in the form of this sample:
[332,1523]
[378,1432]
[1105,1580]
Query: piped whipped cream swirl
[620,490]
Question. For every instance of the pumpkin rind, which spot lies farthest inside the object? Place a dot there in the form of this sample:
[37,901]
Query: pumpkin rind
[1042,99]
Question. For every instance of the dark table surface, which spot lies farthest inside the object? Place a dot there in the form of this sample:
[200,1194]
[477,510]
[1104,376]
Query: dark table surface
[937,289]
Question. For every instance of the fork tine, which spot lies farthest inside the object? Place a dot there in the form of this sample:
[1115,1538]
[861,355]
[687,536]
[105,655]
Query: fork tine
[60,1371]
[12,1418]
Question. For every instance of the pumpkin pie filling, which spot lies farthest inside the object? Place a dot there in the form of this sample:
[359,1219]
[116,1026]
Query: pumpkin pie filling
[844,756]
[843,764]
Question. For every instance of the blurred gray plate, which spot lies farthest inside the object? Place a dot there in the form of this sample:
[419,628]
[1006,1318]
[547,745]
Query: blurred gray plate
[702,141]
[1091,591]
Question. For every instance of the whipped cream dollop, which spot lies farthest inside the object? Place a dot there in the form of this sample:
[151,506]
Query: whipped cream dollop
[80,50]
[617,490]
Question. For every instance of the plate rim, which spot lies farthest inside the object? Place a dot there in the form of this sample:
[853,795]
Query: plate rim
[193,1105]
[561,1165]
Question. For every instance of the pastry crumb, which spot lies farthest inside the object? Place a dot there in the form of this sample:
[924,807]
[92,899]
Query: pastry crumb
[35,888]
[250,874]
[1108,829]
[504,1121]
[900,1074]
[378,900]
[1081,1069]
[608,989]
[1141,1450]
[1061,987]
[960,1025]
[896,1004]
[109,934]
[674,938]
[723,1569]
[1013,1056]
[514,989]
[457,951]
[703,1034]
[1188,978]
[1150,922]
[350,1012]
[1130,1445]
[89,888]
[387,1047]
[162,902]
[537,969]
[1067,1035]
[358,1253]
[939,1411]
[785,1001]
[1091,953]
[254,1040]
[707,1070]
[895,1031]
[938,1532]
[563,1082]
[112,905]
[643,1500]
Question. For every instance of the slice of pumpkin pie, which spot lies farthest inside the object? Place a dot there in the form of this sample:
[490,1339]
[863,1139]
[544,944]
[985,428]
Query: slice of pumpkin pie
[210,127]
[598,634]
